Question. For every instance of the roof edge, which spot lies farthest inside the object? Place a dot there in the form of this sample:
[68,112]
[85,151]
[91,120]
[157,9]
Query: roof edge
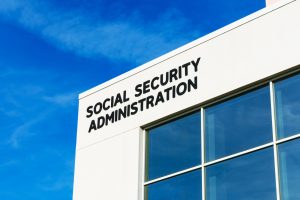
[187,46]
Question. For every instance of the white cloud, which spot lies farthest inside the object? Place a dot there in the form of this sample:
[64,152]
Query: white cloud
[9,5]
[128,39]
[9,113]
[60,180]
[21,131]
[27,103]
[56,186]
[8,163]
[62,99]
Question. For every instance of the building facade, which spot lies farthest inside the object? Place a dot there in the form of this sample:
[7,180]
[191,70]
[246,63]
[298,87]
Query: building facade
[216,119]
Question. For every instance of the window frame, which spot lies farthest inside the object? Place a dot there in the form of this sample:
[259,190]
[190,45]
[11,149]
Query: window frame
[269,82]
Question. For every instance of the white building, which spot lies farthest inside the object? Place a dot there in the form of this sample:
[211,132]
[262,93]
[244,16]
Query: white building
[218,118]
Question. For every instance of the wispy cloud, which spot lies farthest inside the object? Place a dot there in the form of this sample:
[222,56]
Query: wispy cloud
[130,39]
[8,163]
[60,180]
[9,113]
[28,104]
[22,132]
[51,184]
[62,99]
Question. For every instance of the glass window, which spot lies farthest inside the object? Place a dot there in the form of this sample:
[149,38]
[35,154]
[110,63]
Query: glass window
[182,187]
[251,176]
[287,98]
[289,160]
[173,146]
[238,124]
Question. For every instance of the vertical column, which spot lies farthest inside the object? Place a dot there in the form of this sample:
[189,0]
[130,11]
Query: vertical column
[142,168]
[274,139]
[203,153]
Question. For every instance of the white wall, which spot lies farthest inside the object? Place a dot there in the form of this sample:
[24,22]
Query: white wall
[108,169]
[270,2]
[253,48]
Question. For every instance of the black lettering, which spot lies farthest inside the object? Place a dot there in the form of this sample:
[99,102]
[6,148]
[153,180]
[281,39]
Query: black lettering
[125,98]
[173,74]
[109,118]
[150,100]
[138,90]
[179,86]
[118,99]
[89,110]
[146,87]
[162,81]
[116,112]
[106,107]
[92,126]
[192,84]
[112,100]
[154,87]
[122,113]
[128,110]
[167,91]
[195,64]
[100,122]
[159,98]
[173,92]
[141,102]
[185,67]
[180,72]
[134,108]
[98,108]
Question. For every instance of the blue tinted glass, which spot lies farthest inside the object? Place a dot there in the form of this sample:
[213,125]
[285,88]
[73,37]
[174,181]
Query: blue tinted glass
[289,159]
[287,96]
[183,187]
[238,124]
[173,146]
[250,177]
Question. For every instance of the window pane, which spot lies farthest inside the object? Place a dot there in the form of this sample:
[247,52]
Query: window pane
[289,160]
[287,96]
[173,146]
[250,176]
[238,124]
[183,187]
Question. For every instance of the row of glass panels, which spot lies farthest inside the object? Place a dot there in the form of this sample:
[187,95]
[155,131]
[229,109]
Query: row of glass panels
[233,126]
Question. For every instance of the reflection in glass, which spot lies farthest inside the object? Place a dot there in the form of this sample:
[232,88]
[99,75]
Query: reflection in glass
[238,124]
[287,98]
[250,177]
[289,160]
[182,187]
[173,146]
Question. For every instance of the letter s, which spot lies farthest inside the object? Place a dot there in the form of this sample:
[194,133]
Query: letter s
[90,111]
[138,90]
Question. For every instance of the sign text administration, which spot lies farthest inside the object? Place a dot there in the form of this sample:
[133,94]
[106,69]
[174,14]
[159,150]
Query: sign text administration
[168,85]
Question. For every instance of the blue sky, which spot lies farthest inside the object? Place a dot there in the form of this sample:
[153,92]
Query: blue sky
[52,50]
